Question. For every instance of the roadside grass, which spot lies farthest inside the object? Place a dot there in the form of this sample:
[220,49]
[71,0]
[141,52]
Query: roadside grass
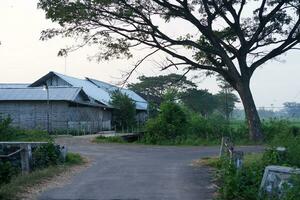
[14,134]
[176,142]
[215,162]
[113,139]
[21,183]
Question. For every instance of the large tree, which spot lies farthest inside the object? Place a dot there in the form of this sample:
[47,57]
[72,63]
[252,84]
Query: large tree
[200,101]
[153,88]
[229,37]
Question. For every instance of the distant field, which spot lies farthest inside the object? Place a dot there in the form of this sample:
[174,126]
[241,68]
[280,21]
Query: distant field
[237,123]
[296,123]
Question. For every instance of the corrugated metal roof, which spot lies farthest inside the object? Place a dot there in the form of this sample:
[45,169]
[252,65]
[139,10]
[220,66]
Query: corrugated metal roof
[89,88]
[13,85]
[38,93]
[141,103]
[97,90]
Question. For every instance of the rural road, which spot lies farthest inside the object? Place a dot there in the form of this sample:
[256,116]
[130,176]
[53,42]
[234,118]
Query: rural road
[137,172]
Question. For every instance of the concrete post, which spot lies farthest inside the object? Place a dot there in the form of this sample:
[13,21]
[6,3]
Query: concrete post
[25,158]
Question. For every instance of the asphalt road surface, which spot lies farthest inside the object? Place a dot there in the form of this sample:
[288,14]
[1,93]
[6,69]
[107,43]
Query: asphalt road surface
[137,172]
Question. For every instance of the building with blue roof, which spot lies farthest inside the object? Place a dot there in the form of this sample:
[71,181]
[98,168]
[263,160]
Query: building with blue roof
[58,102]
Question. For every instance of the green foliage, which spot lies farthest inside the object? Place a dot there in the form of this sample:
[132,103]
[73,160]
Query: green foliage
[275,127]
[225,102]
[20,184]
[4,125]
[46,155]
[169,124]
[292,193]
[200,101]
[74,159]
[124,112]
[114,139]
[256,33]
[9,133]
[154,88]
[7,171]
[292,144]
[189,128]
[239,184]
[243,184]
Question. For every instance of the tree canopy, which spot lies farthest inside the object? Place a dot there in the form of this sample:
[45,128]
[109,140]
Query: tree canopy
[200,101]
[156,88]
[292,109]
[229,37]
[124,112]
[153,88]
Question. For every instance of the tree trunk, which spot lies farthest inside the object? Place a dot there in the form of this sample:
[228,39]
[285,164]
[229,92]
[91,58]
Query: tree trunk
[251,113]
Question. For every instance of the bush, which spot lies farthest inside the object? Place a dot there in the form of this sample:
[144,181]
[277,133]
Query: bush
[114,139]
[169,124]
[9,133]
[244,183]
[46,155]
[7,171]
[273,127]
[125,110]
[74,159]
[198,126]
[239,184]
[4,125]
[293,193]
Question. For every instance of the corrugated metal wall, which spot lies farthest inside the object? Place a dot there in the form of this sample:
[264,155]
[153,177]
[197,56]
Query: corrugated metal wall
[62,116]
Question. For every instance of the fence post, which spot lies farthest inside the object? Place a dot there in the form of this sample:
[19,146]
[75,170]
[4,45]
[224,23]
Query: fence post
[25,158]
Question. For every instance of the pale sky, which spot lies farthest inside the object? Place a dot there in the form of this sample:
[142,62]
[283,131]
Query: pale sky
[24,58]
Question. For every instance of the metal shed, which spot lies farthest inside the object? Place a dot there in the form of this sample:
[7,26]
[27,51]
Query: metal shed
[68,103]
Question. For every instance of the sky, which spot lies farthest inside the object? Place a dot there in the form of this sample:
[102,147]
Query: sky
[24,58]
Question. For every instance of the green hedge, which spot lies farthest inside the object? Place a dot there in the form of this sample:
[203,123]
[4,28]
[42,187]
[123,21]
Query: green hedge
[243,184]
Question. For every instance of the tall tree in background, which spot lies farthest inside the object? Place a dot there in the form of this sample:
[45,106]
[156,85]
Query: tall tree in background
[226,98]
[230,37]
[226,103]
[153,88]
[292,109]
[124,112]
[200,101]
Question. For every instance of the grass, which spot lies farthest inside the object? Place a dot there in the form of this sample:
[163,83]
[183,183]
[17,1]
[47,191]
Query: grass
[14,134]
[74,159]
[186,142]
[114,139]
[21,183]
[214,161]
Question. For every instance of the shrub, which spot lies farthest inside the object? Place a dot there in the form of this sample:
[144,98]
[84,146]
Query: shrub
[244,183]
[292,193]
[4,125]
[169,124]
[46,155]
[274,127]
[292,145]
[198,125]
[114,139]
[124,112]
[239,184]
[7,171]
[74,159]
[9,133]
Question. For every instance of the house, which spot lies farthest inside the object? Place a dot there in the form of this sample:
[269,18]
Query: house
[60,102]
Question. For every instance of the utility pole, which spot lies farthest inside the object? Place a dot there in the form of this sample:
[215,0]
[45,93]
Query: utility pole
[48,108]
[226,104]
